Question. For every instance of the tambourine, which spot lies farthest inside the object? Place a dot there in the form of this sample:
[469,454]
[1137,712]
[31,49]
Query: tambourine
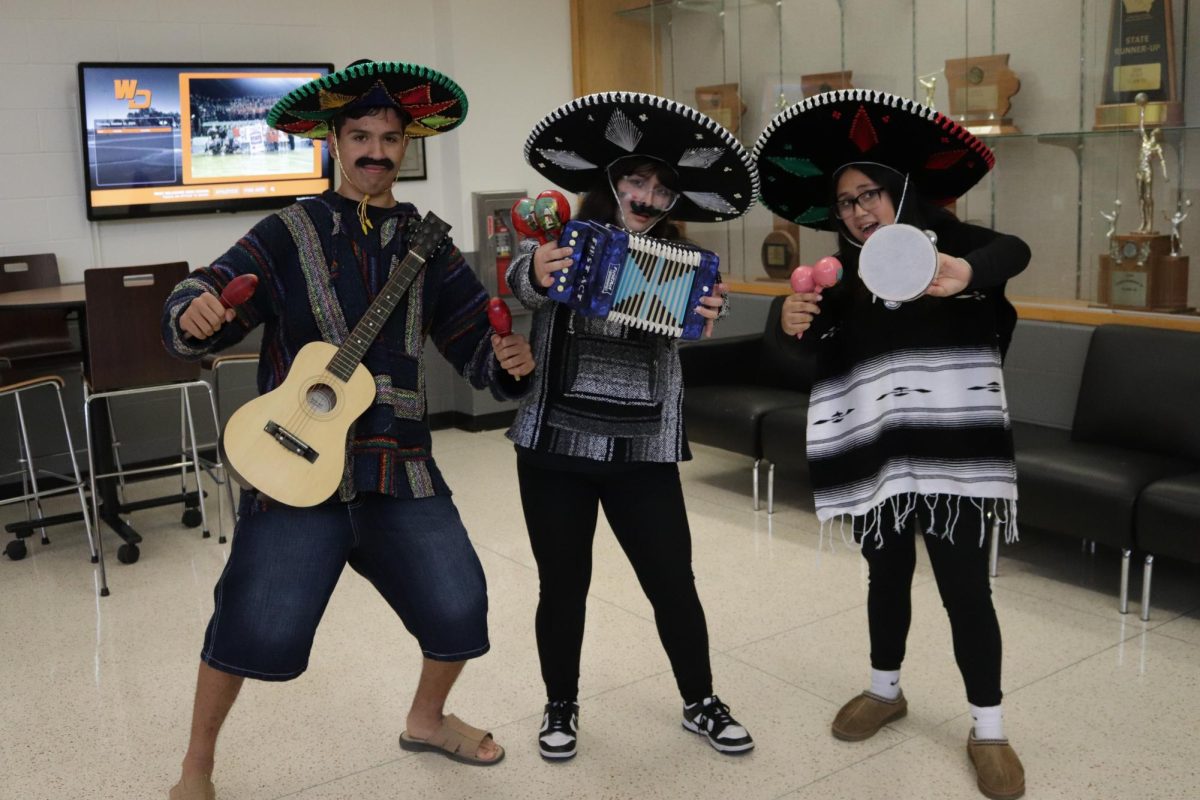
[898,263]
[543,217]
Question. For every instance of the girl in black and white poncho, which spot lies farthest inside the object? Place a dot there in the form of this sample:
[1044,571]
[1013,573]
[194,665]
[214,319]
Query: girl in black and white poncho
[908,424]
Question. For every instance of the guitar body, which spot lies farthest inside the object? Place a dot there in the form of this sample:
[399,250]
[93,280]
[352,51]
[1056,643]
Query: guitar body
[290,443]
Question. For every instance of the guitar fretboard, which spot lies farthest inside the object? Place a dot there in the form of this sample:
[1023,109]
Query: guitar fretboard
[351,353]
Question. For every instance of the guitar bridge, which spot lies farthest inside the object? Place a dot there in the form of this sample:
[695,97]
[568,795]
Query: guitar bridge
[291,442]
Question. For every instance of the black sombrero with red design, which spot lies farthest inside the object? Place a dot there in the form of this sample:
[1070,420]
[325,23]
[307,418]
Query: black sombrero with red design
[574,145]
[435,103]
[805,145]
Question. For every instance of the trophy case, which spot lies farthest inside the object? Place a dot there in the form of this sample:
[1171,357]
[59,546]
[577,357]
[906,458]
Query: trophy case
[1052,88]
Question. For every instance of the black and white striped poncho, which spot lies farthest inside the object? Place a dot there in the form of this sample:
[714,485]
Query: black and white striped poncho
[909,405]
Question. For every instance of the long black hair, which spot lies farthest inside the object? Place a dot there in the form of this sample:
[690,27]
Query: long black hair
[914,208]
[600,202]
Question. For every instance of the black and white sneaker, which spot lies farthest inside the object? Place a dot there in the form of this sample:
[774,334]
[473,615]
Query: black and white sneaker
[560,724]
[710,717]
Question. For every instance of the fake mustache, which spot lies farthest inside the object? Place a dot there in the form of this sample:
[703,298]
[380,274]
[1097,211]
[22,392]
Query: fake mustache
[644,209]
[386,163]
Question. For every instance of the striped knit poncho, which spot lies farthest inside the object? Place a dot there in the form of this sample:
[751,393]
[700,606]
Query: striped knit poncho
[908,406]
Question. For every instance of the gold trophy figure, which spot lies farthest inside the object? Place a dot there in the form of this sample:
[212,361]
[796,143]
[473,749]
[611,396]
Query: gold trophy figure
[1151,147]
[929,83]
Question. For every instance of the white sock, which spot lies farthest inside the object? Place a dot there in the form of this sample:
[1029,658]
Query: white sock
[885,683]
[989,722]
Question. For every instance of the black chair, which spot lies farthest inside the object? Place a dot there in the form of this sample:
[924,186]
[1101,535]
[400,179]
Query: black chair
[34,341]
[126,358]
[1168,524]
[1135,423]
[731,384]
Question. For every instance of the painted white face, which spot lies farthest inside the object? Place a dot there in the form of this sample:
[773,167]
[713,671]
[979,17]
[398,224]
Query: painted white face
[643,200]
[861,204]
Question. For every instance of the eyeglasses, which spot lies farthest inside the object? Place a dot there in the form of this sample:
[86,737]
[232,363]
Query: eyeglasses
[661,197]
[867,201]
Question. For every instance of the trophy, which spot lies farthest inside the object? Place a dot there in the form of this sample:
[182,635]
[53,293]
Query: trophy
[1141,60]
[981,89]
[929,84]
[722,103]
[1145,270]
[781,249]
[821,82]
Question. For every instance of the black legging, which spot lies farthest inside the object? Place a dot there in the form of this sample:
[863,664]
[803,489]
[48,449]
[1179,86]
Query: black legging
[961,570]
[644,506]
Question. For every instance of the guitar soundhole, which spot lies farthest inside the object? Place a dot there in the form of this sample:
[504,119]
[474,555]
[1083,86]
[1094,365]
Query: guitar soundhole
[320,398]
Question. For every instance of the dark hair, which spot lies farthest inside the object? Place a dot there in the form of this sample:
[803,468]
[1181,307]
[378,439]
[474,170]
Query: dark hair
[600,203]
[358,112]
[917,209]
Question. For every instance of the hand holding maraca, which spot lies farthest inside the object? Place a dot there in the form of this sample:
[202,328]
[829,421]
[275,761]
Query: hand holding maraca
[207,313]
[512,350]
[800,308]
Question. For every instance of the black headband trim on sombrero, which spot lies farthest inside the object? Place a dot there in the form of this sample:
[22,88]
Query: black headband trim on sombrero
[798,163]
[434,103]
[575,144]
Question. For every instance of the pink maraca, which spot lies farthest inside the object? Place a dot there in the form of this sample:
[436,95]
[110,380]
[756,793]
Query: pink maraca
[827,271]
[802,279]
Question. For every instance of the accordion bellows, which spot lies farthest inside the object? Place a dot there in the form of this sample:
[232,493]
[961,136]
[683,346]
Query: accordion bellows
[639,281]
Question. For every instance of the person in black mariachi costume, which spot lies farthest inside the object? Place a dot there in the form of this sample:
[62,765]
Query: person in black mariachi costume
[602,426]
[320,263]
[907,422]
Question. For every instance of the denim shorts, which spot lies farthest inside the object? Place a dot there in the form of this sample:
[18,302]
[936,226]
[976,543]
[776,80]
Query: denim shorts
[285,562]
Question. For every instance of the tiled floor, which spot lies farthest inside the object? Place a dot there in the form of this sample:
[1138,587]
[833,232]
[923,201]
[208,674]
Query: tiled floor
[98,691]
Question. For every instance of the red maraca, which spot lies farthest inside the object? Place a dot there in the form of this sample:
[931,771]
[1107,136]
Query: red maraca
[239,290]
[501,319]
[499,316]
[802,279]
[552,212]
[827,271]
[525,221]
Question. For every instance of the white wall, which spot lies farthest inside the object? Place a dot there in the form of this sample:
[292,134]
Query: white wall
[487,46]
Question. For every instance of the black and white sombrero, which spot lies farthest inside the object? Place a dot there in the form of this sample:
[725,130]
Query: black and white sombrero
[435,103]
[575,144]
[804,146]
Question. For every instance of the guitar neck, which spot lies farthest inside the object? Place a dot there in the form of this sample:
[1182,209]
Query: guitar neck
[351,353]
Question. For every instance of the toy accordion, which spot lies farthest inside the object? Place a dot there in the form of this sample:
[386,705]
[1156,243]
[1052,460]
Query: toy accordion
[645,283]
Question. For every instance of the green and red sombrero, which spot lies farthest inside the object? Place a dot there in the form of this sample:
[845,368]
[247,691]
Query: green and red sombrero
[806,144]
[435,103]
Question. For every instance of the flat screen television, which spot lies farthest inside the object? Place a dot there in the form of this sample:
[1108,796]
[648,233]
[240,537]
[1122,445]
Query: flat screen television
[184,138]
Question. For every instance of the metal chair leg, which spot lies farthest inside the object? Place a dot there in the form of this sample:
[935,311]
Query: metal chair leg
[83,506]
[87,427]
[1123,603]
[770,488]
[994,556]
[225,482]
[196,468]
[757,461]
[29,471]
[1147,569]
[116,451]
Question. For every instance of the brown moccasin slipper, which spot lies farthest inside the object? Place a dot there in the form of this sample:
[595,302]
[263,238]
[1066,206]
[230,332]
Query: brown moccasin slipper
[863,716]
[1000,773]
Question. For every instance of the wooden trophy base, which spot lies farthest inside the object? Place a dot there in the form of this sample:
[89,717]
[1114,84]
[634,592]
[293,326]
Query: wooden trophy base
[988,127]
[1139,273]
[1120,116]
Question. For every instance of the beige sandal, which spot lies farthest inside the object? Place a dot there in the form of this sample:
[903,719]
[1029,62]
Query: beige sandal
[456,740]
[200,788]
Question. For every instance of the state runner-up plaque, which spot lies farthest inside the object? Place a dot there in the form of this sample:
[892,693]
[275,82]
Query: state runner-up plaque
[1141,58]
[981,89]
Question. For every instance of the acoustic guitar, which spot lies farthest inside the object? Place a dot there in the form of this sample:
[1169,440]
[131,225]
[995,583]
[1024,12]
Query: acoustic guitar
[290,443]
